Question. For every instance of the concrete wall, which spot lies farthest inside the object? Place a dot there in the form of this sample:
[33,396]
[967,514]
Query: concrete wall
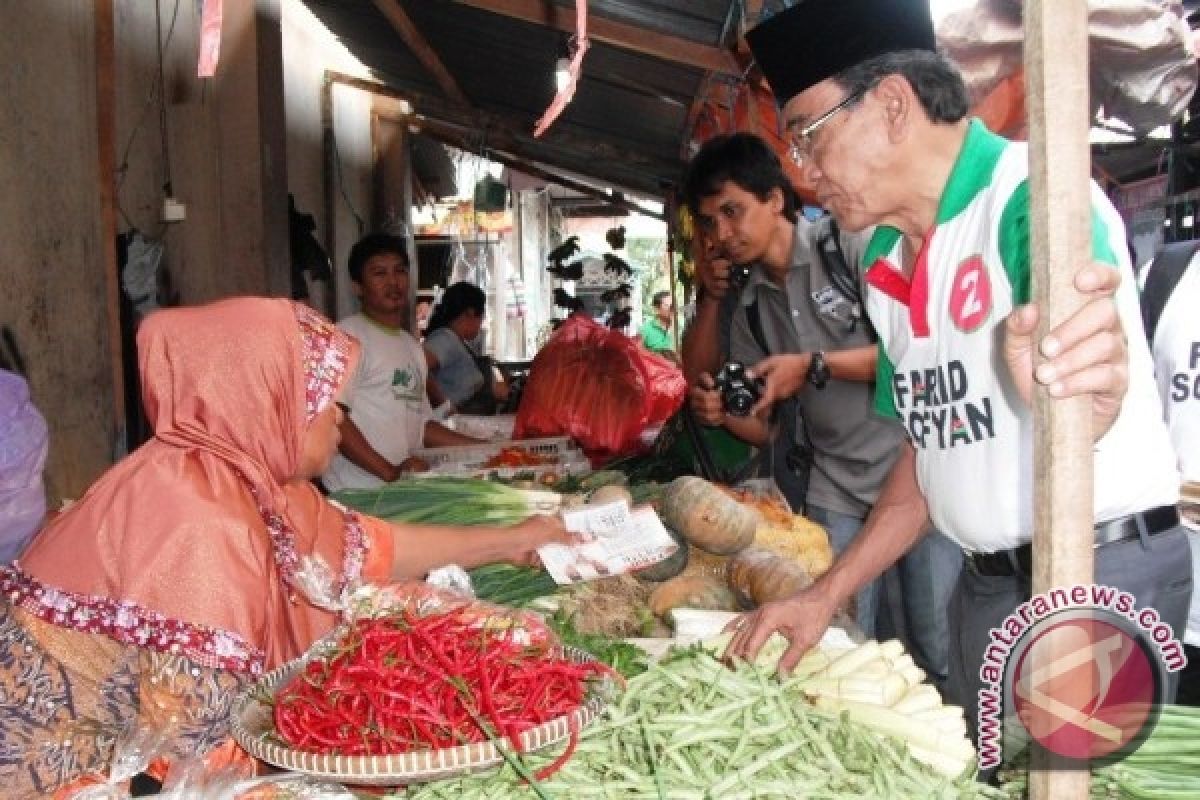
[226,147]
[51,237]
[224,143]
[309,49]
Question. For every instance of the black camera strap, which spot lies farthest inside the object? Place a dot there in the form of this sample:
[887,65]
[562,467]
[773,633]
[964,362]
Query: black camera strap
[1166,270]
[844,278]
[787,412]
[704,460]
[754,318]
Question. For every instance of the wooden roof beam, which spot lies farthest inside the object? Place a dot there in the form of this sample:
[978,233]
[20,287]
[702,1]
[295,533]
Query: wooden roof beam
[412,36]
[499,130]
[619,34]
[436,116]
[529,168]
[455,136]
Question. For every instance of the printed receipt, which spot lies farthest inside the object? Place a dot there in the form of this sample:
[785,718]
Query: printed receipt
[617,541]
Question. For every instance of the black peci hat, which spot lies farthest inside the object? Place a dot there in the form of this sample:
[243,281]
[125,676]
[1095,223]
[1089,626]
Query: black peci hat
[816,39]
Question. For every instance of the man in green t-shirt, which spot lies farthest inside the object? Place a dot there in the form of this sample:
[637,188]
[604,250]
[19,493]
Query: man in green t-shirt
[656,332]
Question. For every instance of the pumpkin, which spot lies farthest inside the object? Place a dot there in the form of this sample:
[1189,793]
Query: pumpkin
[691,591]
[799,539]
[707,517]
[758,576]
[702,563]
[670,566]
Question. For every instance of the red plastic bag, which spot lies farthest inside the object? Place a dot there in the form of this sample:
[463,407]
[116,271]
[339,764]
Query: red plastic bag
[667,385]
[599,387]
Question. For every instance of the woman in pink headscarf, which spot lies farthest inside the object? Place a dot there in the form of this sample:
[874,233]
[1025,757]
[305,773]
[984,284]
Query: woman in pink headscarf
[180,576]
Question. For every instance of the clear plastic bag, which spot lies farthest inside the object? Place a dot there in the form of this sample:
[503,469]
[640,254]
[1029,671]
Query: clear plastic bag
[132,754]
[452,578]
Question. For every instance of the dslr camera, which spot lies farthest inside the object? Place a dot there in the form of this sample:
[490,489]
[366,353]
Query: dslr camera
[738,275]
[738,392]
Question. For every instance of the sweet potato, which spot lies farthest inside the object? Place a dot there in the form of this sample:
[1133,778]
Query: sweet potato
[691,591]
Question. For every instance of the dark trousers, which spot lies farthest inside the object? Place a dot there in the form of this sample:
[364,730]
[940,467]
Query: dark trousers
[1158,573]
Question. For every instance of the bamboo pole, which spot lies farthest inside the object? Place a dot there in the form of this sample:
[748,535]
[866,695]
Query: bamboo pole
[1056,70]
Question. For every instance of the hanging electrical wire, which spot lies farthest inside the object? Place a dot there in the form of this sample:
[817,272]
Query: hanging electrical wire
[162,103]
[341,182]
[157,93]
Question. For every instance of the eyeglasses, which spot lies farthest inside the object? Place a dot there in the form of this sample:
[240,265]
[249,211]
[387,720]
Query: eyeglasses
[801,144]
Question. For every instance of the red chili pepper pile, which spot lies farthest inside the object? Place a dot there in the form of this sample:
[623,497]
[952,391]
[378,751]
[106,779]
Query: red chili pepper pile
[403,683]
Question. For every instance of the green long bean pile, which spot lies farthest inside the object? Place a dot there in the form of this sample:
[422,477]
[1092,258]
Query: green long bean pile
[1165,767]
[690,728]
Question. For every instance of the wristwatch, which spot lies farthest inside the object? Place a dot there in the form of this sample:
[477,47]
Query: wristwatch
[818,370]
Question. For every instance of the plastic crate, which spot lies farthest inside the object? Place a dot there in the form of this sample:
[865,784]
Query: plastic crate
[499,426]
[471,459]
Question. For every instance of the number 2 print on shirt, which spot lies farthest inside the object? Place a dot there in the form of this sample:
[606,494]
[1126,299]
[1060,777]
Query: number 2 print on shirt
[971,295]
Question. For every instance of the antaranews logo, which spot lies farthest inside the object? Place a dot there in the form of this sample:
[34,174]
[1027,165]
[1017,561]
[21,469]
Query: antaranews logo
[1080,671]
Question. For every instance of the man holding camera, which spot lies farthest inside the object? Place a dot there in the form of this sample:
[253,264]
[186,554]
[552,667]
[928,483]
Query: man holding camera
[793,300]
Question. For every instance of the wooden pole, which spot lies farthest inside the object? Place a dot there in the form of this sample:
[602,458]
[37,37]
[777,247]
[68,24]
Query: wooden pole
[1056,74]
[402,23]
[328,177]
[672,220]
[106,155]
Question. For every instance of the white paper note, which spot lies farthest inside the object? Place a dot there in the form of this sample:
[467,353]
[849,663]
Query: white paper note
[618,541]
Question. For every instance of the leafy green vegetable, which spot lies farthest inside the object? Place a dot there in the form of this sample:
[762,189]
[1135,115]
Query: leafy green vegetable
[508,585]
[627,659]
[461,501]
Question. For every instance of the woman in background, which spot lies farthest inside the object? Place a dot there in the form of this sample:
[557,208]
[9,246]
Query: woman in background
[458,375]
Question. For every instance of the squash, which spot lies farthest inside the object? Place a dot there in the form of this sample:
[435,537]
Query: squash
[603,477]
[799,539]
[792,536]
[691,591]
[758,576]
[670,566]
[707,517]
[702,563]
[610,494]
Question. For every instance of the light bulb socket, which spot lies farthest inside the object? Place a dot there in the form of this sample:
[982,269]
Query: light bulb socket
[562,73]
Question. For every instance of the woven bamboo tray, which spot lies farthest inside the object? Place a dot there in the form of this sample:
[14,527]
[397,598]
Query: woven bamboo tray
[254,729]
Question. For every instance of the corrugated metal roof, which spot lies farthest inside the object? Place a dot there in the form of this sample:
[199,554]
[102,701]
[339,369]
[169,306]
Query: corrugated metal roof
[627,121]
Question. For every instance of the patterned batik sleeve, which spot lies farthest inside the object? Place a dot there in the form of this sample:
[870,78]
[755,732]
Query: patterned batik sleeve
[188,703]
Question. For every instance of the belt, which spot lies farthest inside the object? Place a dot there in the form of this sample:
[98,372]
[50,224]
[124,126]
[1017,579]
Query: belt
[1019,560]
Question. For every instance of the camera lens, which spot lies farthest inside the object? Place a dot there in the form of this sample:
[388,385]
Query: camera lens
[739,401]
[738,395]
[738,275]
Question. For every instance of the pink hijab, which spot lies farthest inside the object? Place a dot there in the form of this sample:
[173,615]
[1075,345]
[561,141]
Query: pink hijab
[191,543]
